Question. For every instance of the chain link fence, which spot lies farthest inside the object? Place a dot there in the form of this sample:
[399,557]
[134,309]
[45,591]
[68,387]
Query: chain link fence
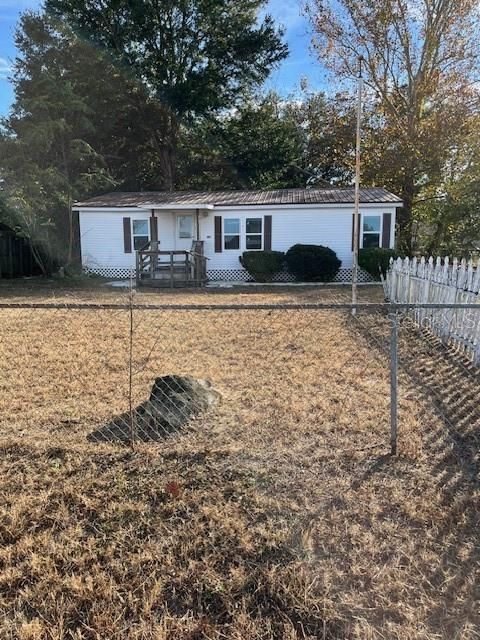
[126,374]
[123,373]
[225,470]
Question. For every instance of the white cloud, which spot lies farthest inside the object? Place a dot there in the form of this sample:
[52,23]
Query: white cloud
[5,68]
[287,13]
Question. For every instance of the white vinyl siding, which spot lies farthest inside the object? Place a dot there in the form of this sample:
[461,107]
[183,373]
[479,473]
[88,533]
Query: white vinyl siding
[101,237]
[102,242]
[331,228]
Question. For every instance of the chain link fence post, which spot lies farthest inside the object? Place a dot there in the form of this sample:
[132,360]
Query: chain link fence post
[130,369]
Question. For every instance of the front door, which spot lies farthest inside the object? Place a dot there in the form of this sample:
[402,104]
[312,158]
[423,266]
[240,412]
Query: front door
[184,231]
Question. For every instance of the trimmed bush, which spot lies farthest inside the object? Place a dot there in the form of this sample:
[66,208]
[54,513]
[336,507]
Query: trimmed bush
[312,263]
[374,258]
[262,265]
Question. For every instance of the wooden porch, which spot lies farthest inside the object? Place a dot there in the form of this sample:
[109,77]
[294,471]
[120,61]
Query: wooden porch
[156,268]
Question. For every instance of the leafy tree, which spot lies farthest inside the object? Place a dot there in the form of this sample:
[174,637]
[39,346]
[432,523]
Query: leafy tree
[263,144]
[420,59]
[327,125]
[79,125]
[194,57]
[257,146]
[26,216]
[450,226]
[47,155]
[449,216]
[272,142]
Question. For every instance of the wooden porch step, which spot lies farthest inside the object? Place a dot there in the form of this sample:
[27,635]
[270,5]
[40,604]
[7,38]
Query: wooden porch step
[170,268]
[157,283]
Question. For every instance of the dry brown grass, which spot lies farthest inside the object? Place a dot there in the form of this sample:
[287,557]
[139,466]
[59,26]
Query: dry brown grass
[280,515]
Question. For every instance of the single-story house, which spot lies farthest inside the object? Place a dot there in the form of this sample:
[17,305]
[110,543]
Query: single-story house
[115,226]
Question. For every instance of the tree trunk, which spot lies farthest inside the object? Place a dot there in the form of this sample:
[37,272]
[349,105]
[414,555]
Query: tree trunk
[436,240]
[39,259]
[166,144]
[405,217]
[66,171]
[70,231]
[166,156]
[76,255]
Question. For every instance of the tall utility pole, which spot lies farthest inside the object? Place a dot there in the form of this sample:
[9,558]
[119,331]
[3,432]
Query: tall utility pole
[356,215]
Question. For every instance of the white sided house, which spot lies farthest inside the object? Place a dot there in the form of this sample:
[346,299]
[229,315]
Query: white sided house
[189,237]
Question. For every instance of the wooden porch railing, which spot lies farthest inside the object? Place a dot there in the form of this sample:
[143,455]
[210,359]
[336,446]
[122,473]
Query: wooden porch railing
[170,268]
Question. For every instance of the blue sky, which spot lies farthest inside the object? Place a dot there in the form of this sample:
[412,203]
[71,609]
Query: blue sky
[301,63]
[285,80]
[9,12]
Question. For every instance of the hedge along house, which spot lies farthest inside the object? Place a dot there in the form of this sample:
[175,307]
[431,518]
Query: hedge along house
[188,237]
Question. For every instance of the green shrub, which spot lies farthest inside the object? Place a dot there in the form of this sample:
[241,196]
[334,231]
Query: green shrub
[374,258]
[262,265]
[312,263]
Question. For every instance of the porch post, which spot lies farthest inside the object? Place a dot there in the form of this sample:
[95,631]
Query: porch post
[153,232]
[197,222]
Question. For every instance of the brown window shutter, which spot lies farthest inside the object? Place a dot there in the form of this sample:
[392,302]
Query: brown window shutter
[387,223]
[218,234]
[77,252]
[127,236]
[353,229]
[267,233]
[153,229]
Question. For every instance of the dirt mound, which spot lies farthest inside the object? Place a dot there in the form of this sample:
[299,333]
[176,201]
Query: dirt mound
[173,401]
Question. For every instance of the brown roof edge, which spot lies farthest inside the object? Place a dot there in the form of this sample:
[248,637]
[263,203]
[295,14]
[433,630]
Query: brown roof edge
[284,197]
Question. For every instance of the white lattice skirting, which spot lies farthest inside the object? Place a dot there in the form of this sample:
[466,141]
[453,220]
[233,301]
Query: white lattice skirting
[115,273]
[240,275]
[224,275]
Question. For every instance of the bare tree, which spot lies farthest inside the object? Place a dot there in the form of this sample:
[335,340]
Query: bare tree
[421,63]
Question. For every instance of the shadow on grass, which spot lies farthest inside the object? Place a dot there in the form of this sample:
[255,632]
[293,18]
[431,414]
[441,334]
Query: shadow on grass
[449,384]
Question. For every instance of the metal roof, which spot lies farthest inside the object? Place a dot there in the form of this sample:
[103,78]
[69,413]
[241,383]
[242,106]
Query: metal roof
[193,199]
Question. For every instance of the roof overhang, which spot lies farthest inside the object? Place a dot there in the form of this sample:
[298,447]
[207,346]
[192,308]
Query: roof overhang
[209,200]
[176,207]
[147,207]
[190,206]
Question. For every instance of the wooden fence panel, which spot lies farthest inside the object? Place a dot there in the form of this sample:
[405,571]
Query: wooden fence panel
[16,258]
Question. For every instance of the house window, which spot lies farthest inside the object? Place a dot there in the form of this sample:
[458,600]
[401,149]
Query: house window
[231,233]
[185,226]
[371,231]
[140,234]
[253,233]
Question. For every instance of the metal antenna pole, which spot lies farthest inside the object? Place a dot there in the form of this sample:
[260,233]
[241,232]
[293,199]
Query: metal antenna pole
[356,215]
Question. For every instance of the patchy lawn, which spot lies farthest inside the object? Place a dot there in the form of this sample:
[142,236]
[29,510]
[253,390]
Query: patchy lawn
[278,515]
[97,289]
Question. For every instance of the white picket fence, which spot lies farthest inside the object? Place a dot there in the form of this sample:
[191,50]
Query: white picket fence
[443,281]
